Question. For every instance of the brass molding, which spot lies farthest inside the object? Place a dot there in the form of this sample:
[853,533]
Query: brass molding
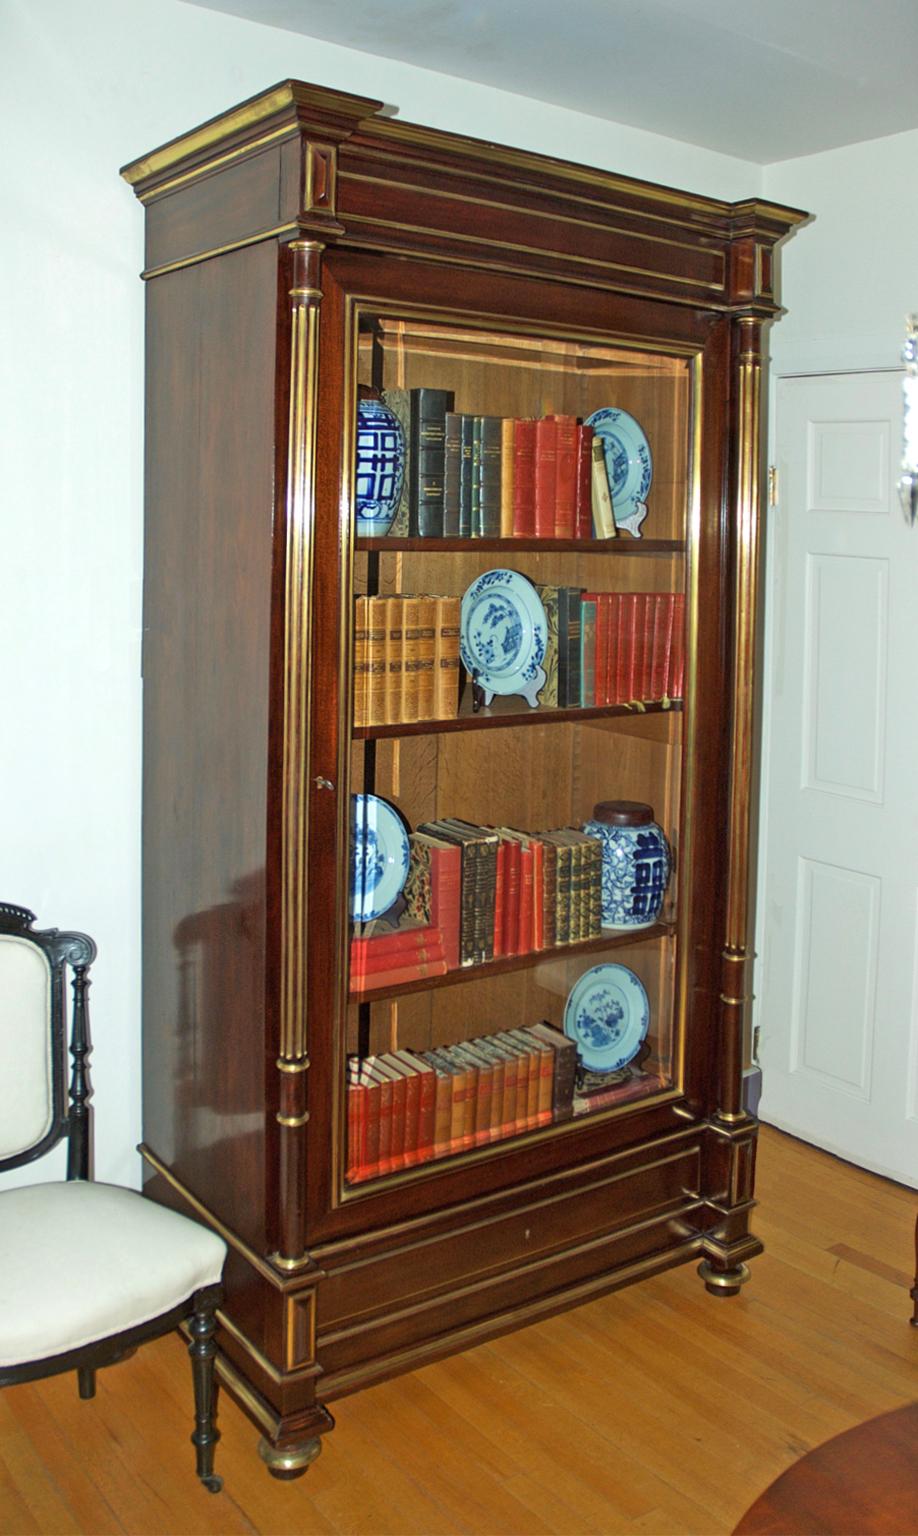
[290,1461]
[216,163]
[262,1361]
[300,495]
[258,1263]
[292,1121]
[240,1390]
[545,253]
[292,1266]
[292,1067]
[217,250]
[727,1283]
[551,217]
[735,1002]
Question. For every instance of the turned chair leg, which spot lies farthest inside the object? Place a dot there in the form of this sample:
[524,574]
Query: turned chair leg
[86,1381]
[202,1350]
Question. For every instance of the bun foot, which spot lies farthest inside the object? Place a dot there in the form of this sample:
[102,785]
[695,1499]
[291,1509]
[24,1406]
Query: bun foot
[286,1462]
[722,1282]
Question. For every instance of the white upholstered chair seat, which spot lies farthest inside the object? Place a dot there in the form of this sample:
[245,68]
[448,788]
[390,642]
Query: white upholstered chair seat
[124,1261]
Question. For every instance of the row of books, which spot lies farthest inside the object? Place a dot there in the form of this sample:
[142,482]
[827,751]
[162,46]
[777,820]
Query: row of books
[497,891]
[472,476]
[406,658]
[409,1107]
[612,647]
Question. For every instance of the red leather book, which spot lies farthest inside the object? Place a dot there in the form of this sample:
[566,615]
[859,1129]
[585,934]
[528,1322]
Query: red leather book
[678,648]
[371,963]
[612,603]
[375,940]
[443,1101]
[538,876]
[583,493]
[643,657]
[624,659]
[465,1094]
[545,1065]
[384,1084]
[512,876]
[411,1107]
[523,1091]
[662,640]
[355,1132]
[524,433]
[484,1090]
[436,865]
[427,1102]
[565,476]
[499,888]
[601,626]
[524,927]
[546,464]
[399,975]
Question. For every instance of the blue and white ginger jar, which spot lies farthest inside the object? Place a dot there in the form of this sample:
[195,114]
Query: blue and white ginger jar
[380,469]
[636,863]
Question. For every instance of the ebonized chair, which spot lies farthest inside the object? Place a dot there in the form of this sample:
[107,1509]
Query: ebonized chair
[87,1270]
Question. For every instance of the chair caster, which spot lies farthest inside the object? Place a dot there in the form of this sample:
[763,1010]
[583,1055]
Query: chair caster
[213,1484]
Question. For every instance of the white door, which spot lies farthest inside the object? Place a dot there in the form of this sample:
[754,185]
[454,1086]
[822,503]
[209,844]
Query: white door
[837,981]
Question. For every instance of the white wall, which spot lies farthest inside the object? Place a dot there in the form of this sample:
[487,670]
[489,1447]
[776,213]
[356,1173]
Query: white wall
[83,89]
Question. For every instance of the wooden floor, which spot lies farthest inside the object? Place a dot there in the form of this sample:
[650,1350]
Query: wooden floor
[656,1409]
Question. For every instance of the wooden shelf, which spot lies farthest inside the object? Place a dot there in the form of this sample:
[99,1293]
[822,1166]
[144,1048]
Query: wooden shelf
[498,714]
[613,939]
[623,545]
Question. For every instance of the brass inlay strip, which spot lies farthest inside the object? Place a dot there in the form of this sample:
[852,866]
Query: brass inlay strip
[259,1264]
[527,250]
[550,216]
[210,134]
[745,599]
[292,1302]
[297,657]
[245,1343]
[292,1066]
[288,131]
[735,1002]
[218,250]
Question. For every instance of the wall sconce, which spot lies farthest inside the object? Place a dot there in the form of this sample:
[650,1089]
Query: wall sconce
[908,480]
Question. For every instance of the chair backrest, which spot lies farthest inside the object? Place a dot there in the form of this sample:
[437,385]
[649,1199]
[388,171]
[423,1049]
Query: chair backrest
[35,1108]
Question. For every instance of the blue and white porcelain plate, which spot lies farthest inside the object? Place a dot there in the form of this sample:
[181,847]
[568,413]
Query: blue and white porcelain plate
[503,635]
[629,465]
[379,857]
[607,1014]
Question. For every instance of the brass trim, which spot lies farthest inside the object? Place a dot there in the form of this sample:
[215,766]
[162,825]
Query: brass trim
[258,1263]
[732,1117]
[290,94]
[735,1002]
[262,1361]
[547,254]
[292,1266]
[292,1066]
[290,1461]
[292,1121]
[217,250]
[729,1282]
[304,293]
[292,1301]
[300,497]
[207,167]
[552,217]
[239,1389]
[482,264]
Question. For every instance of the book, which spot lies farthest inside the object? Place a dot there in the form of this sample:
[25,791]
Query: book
[496,1066]
[583,491]
[411,658]
[479,878]
[662,643]
[483,1090]
[371,964]
[446,658]
[443,1104]
[379,938]
[488,429]
[604,526]
[426,460]
[434,884]
[466,432]
[361,662]
[545,1064]
[391,1087]
[565,476]
[565,932]
[588,620]
[548,595]
[565,1068]
[507,451]
[404,1063]
[399,975]
[426,656]
[376,661]
[524,429]
[395,657]
[569,599]
[452,460]
[549,877]
[499,901]
[677,659]
[462,1117]
[545,476]
[527,1080]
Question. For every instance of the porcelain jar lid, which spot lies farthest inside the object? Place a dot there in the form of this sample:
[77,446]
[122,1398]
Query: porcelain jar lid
[623,813]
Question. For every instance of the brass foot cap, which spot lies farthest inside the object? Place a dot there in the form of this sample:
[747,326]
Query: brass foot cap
[723,1282]
[289,1461]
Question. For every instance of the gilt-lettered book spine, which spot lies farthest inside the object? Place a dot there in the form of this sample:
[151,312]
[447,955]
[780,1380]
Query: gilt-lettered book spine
[376,661]
[427,460]
[489,470]
[427,648]
[395,657]
[447,658]
[452,473]
[360,662]
[411,655]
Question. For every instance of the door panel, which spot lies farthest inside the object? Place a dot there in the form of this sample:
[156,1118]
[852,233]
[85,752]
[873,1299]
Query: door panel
[837,1010]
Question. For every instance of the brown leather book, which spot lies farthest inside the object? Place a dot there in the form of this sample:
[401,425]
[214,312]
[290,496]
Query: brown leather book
[376,661]
[361,663]
[446,658]
[426,657]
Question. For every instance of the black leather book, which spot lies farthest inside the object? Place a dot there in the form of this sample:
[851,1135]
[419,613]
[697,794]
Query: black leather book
[466,433]
[488,431]
[452,462]
[427,461]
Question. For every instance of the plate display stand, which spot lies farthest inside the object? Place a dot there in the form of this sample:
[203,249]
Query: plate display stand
[374,1099]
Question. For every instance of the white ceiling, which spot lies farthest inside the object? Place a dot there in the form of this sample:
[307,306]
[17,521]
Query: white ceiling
[762,79]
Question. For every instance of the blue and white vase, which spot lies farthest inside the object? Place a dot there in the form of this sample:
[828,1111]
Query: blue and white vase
[380,468]
[636,863]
